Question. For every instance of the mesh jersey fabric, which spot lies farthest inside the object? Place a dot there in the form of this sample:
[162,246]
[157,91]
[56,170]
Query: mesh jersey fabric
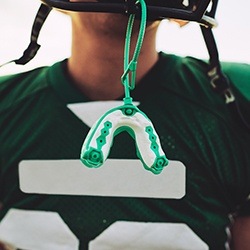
[194,126]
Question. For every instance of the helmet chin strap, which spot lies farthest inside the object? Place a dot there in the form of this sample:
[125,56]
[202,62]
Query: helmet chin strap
[33,47]
[126,118]
[218,79]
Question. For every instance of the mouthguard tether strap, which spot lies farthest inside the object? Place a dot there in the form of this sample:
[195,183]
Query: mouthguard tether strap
[128,117]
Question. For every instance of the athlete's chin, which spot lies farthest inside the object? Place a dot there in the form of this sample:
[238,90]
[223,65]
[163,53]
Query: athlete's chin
[102,23]
[107,24]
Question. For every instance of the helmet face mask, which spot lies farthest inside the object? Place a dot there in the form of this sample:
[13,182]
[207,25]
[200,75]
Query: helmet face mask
[190,10]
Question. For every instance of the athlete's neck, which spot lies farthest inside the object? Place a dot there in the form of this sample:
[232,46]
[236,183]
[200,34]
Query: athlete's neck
[96,64]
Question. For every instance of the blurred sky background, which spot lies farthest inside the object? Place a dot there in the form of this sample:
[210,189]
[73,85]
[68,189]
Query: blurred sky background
[16,18]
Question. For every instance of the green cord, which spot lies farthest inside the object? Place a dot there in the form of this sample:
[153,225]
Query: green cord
[131,67]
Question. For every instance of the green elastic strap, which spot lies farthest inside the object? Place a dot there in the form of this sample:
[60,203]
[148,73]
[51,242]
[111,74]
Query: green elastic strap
[97,144]
[130,67]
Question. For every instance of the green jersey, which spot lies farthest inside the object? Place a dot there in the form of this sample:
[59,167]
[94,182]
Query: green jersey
[195,127]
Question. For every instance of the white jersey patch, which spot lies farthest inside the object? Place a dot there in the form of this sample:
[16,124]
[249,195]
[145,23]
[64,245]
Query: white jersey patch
[37,230]
[119,178]
[147,236]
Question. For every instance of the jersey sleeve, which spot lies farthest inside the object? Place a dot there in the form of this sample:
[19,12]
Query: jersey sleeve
[239,76]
